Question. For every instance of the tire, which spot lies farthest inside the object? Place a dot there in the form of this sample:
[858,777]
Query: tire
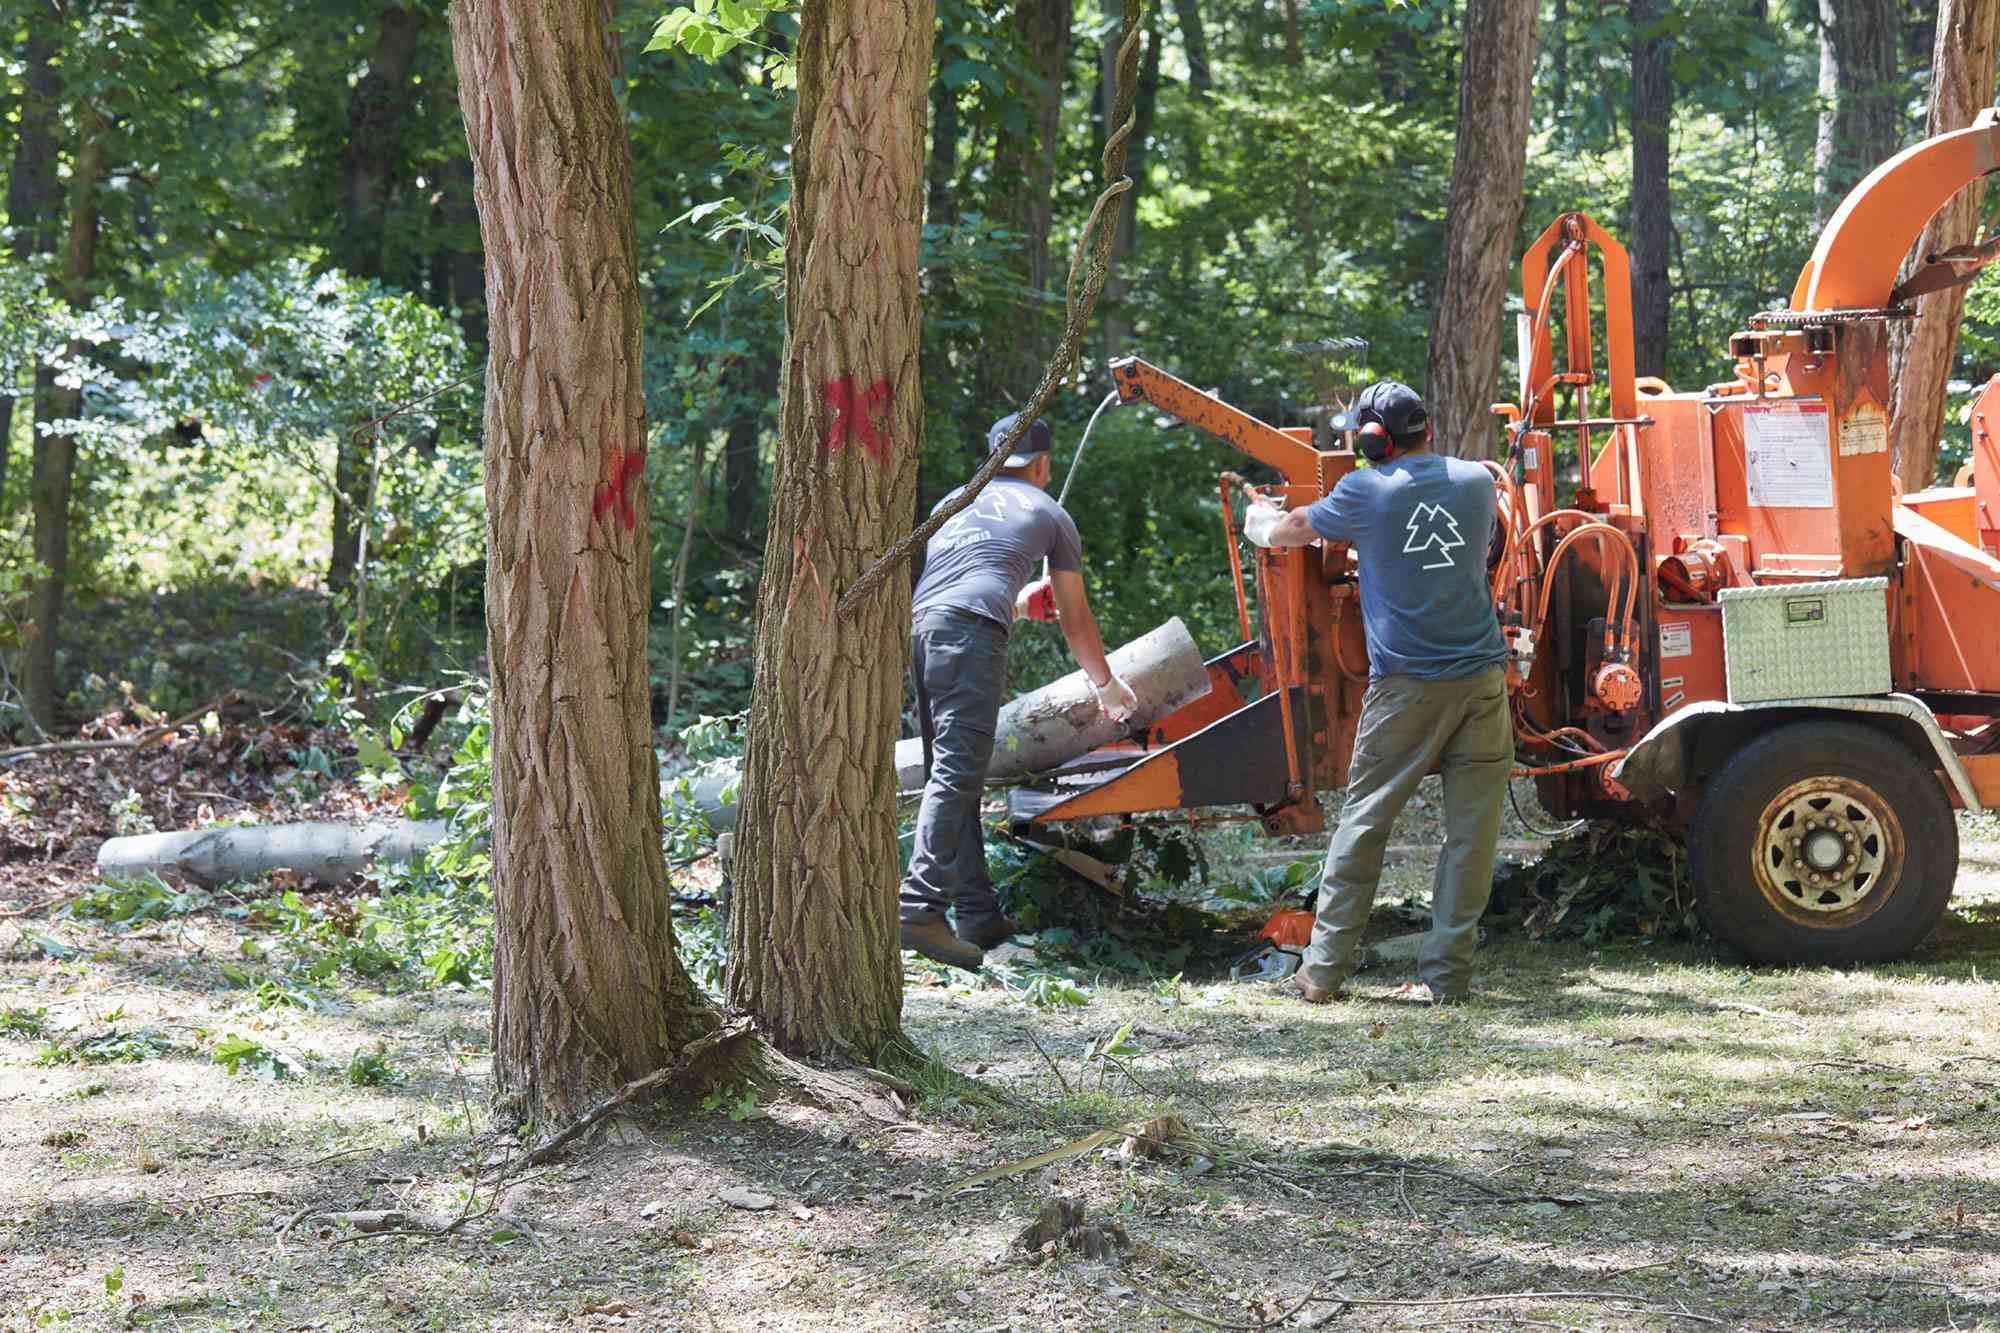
[1835,799]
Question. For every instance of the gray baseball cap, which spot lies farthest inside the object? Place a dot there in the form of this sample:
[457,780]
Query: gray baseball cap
[1036,440]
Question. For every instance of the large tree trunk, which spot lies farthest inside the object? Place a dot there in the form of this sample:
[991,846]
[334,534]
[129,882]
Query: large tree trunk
[1921,352]
[587,991]
[378,118]
[32,198]
[54,473]
[1651,201]
[1859,119]
[1487,166]
[812,935]
[1027,160]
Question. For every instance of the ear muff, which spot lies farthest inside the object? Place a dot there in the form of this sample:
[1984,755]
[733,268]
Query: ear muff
[1373,441]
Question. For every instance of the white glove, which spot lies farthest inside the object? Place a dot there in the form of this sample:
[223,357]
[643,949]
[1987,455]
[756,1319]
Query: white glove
[1258,521]
[1115,697]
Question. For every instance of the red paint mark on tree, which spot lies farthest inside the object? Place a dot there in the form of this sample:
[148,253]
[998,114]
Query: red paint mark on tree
[854,415]
[627,466]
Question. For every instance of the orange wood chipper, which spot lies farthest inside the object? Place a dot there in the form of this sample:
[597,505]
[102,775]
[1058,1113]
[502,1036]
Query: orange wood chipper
[1725,621]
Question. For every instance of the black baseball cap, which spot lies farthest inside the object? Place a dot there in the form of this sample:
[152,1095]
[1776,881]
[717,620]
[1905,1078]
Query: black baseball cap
[1395,405]
[1036,440]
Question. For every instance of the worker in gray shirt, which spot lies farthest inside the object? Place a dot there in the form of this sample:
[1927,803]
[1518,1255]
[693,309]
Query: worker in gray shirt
[1420,524]
[976,582]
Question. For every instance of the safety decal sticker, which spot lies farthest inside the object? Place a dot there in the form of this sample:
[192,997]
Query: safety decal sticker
[1677,638]
[1672,695]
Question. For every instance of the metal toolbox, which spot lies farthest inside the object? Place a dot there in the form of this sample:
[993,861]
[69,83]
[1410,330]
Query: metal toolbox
[1806,640]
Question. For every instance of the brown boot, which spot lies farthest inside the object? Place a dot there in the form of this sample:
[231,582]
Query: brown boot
[1311,994]
[988,932]
[934,940]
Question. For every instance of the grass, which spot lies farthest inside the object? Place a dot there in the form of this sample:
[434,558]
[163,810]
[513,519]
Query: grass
[1671,1134]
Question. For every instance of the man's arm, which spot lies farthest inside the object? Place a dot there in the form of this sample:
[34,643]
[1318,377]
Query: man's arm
[1086,645]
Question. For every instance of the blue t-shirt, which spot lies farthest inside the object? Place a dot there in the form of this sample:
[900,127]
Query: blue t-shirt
[1420,525]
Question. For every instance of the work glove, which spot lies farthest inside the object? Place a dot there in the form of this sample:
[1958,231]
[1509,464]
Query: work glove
[1036,602]
[1115,697]
[1258,521]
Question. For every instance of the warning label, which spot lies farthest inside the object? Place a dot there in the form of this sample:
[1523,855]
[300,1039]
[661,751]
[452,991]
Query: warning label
[1676,638]
[1866,432]
[1785,458]
[1672,695]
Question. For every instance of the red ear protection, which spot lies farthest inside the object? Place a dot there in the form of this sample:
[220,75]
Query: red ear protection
[1374,442]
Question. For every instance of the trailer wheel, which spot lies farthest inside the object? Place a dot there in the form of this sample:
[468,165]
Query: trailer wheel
[1823,842]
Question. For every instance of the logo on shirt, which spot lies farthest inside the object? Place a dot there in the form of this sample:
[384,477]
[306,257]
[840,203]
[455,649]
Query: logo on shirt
[1432,529]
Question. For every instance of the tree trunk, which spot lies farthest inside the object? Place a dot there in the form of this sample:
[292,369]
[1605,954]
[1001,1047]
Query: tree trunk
[813,949]
[1027,159]
[742,460]
[1487,167]
[55,455]
[1117,322]
[1921,351]
[32,198]
[378,118]
[1651,199]
[1859,119]
[587,991]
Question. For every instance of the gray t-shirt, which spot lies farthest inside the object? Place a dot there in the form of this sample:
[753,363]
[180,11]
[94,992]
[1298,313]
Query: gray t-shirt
[1420,526]
[980,561]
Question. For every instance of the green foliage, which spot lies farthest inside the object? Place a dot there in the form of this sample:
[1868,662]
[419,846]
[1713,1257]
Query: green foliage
[371,1069]
[114,1045]
[143,900]
[1046,990]
[727,1099]
[245,1055]
[16,1021]
[1600,883]
[711,29]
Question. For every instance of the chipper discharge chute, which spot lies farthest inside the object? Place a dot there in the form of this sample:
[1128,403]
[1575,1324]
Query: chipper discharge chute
[1722,616]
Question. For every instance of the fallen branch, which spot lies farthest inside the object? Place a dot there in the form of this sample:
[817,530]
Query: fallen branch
[694,1050]
[139,742]
[1125,85]
[1199,1318]
[44,905]
[1597,1297]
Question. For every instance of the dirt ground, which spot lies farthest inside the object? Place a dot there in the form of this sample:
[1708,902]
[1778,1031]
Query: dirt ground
[1635,1137]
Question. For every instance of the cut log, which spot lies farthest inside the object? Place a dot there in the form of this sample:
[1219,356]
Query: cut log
[1062,720]
[322,851]
[1036,731]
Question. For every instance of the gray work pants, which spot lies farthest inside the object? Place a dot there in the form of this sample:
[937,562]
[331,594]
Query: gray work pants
[1410,725]
[960,663]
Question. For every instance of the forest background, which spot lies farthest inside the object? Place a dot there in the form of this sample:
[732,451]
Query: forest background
[241,321]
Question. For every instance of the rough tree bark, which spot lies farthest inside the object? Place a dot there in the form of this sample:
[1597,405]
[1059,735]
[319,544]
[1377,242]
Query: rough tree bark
[1921,351]
[812,934]
[1651,198]
[32,198]
[378,118]
[1487,166]
[1859,120]
[587,991]
[54,473]
[1029,158]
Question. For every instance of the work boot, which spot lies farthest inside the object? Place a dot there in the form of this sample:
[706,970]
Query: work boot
[988,932]
[934,940]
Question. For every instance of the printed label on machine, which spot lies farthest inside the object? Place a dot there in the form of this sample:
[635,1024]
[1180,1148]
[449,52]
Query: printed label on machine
[1866,432]
[1677,638]
[1672,693]
[1785,458]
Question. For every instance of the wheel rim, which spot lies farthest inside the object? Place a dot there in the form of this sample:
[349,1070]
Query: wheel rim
[1829,850]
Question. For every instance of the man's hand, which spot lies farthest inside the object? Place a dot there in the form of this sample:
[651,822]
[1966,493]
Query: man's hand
[1115,697]
[1258,521]
[1036,602]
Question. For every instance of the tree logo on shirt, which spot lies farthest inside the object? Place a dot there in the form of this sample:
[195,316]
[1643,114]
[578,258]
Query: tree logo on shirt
[1433,529]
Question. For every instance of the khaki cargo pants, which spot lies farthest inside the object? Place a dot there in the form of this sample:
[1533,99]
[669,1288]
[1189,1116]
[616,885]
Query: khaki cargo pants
[1410,725]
